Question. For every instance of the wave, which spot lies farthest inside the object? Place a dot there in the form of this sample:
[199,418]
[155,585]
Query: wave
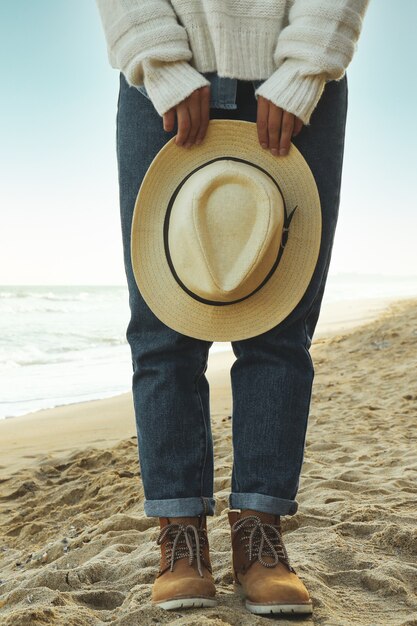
[4,295]
[63,294]
[30,355]
[64,300]
[33,404]
[38,308]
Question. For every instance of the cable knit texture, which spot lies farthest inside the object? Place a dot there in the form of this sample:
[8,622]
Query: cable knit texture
[295,46]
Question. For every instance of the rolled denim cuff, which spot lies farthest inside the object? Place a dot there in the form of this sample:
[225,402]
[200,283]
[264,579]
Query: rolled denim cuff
[180,507]
[263,503]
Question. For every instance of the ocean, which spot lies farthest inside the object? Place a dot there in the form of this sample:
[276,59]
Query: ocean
[65,344]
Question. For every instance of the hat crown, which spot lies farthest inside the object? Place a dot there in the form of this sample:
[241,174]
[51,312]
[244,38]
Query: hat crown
[225,230]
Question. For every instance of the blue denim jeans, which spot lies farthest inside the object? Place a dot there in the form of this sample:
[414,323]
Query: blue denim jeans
[272,375]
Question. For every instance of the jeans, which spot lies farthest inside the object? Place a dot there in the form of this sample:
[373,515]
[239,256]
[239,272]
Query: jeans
[273,373]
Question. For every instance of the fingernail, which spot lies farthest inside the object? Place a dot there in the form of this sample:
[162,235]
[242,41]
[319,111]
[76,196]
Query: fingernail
[283,151]
[264,145]
[274,151]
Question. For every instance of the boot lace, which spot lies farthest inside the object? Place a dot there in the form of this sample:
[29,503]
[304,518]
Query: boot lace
[182,541]
[257,542]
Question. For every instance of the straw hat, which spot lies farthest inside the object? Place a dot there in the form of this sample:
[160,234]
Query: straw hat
[225,236]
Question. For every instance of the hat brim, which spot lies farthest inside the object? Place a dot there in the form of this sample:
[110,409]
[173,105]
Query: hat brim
[271,304]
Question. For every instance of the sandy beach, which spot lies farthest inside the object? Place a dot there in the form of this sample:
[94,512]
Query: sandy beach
[77,550]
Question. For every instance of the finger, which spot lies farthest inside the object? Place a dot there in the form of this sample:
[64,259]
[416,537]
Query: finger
[287,127]
[194,111]
[169,120]
[204,113]
[298,125]
[184,123]
[262,121]
[274,127]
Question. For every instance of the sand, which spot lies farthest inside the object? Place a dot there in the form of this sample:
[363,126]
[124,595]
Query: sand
[77,549]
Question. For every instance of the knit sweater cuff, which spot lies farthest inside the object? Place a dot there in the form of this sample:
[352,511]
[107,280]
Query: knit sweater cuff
[289,89]
[168,83]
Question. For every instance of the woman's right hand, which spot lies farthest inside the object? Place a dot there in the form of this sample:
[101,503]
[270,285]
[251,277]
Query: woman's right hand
[193,116]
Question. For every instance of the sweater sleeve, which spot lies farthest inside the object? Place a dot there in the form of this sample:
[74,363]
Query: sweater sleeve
[148,45]
[316,46]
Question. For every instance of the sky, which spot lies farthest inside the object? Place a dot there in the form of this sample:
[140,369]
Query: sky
[59,211]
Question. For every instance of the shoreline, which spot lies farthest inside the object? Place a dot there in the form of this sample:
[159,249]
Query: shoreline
[335,317]
[31,437]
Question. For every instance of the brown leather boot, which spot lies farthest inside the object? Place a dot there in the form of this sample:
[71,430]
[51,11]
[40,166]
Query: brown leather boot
[185,574]
[261,568]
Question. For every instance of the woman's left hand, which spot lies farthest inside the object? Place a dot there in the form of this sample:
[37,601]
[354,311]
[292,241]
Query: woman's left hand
[276,127]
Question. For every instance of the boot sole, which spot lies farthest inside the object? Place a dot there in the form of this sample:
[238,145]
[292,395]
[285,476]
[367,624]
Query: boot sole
[266,609]
[291,609]
[185,603]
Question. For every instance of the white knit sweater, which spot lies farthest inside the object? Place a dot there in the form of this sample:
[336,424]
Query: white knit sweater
[295,45]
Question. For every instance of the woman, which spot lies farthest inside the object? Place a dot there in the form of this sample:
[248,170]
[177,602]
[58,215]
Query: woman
[281,65]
